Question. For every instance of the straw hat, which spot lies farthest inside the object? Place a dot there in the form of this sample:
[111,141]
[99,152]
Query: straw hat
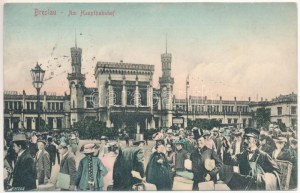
[89,148]
[19,137]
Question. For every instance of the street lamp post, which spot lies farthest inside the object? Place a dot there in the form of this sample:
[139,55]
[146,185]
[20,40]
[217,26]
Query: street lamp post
[37,75]
[11,113]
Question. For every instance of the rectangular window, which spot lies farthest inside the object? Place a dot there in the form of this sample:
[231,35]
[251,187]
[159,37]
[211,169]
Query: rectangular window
[294,110]
[49,106]
[59,123]
[50,122]
[61,106]
[28,105]
[235,120]
[294,122]
[28,123]
[279,110]
[143,97]
[229,121]
[117,96]
[57,106]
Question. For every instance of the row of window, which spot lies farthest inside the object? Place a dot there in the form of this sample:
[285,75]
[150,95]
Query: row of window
[211,108]
[33,105]
[117,98]
[293,110]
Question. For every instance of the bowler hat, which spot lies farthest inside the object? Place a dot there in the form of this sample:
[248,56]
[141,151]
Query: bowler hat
[251,132]
[19,137]
[169,131]
[221,130]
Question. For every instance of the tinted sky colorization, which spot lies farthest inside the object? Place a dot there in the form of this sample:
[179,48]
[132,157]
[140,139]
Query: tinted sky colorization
[229,49]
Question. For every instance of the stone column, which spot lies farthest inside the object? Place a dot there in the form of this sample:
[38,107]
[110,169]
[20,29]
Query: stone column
[124,96]
[110,95]
[136,92]
[138,129]
[33,123]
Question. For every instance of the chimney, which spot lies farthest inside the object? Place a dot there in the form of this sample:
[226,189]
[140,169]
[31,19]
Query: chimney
[262,99]
[220,98]
[249,99]
[234,98]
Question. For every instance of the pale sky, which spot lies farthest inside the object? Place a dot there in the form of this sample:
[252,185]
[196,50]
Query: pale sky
[229,49]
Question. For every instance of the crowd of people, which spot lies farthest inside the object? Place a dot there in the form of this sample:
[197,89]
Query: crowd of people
[242,159]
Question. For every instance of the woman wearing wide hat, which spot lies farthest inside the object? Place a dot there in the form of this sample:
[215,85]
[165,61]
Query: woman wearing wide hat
[24,170]
[91,171]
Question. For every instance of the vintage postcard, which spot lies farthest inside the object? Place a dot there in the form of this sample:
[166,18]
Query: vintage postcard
[150,96]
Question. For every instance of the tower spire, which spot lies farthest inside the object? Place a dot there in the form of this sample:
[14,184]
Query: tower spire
[166,43]
[75,39]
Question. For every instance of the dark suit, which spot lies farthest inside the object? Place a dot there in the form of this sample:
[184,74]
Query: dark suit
[246,179]
[24,172]
[68,166]
[198,168]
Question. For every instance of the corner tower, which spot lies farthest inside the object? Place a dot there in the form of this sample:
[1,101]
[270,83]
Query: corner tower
[76,85]
[166,88]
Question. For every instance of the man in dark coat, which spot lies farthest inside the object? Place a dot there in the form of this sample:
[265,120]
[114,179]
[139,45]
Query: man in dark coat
[201,169]
[51,149]
[257,169]
[68,165]
[129,159]
[24,170]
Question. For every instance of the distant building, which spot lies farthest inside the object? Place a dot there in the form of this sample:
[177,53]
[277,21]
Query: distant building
[283,109]
[124,97]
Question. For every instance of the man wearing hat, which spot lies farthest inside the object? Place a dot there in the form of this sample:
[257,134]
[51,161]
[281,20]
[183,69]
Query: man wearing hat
[42,163]
[51,149]
[24,170]
[130,159]
[257,169]
[68,165]
[191,143]
[180,155]
[103,148]
[238,143]
[197,132]
[202,164]
[217,140]
[91,171]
